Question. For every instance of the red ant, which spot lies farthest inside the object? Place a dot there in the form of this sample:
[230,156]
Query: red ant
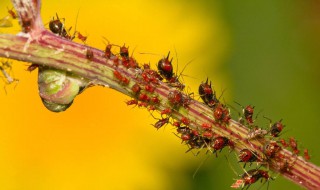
[166,111]
[161,123]
[207,95]
[206,126]
[306,154]
[284,143]
[165,67]
[221,113]
[246,155]
[32,67]
[207,134]
[155,100]
[57,27]
[149,88]
[185,121]
[276,128]
[175,97]
[122,79]
[107,53]
[220,142]
[250,177]
[271,149]
[132,102]
[89,54]
[82,37]
[136,88]
[124,51]
[248,114]
[144,97]
[12,13]
[294,145]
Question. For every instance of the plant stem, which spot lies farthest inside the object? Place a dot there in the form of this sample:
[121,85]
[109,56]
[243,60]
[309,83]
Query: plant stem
[39,46]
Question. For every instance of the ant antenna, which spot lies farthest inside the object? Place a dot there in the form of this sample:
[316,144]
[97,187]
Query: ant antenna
[199,166]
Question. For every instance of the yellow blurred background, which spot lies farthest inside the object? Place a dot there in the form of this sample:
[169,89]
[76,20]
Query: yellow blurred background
[99,142]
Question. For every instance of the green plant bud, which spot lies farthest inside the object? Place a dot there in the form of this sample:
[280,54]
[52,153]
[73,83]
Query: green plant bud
[58,88]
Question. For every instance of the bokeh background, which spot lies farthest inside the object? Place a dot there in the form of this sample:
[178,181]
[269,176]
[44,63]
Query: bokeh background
[263,53]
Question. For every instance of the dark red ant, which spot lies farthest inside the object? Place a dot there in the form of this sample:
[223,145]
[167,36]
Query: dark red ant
[207,95]
[166,111]
[197,142]
[151,108]
[276,128]
[107,53]
[186,133]
[132,102]
[144,97]
[155,100]
[221,113]
[142,104]
[161,123]
[306,154]
[118,75]
[152,76]
[89,54]
[136,88]
[82,37]
[207,134]
[250,177]
[57,27]
[175,97]
[284,143]
[294,145]
[32,67]
[185,121]
[271,149]
[124,51]
[246,155]
[176,124]
[12,13]
[220,142]
[149,88]
[206,126]
[165,67]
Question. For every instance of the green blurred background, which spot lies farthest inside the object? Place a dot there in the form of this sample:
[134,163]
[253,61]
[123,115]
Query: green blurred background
[263,53]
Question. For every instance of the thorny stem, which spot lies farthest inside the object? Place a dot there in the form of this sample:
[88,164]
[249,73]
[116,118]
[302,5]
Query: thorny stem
[39,46]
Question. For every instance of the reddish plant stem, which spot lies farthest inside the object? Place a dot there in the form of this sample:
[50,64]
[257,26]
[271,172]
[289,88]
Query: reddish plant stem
[39,46]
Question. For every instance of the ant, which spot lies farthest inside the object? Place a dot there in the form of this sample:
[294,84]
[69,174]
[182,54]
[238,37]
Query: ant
[12,13]
[221,113]
[161,122]
[246,155]
[294,145]
[165,69]
[271,149]
[276,128]
[306,154]
[220,142]
[207,94]
[250,177]
[57,27]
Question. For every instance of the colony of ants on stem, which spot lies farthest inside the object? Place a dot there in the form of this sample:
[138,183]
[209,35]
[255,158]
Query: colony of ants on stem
[196,137]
